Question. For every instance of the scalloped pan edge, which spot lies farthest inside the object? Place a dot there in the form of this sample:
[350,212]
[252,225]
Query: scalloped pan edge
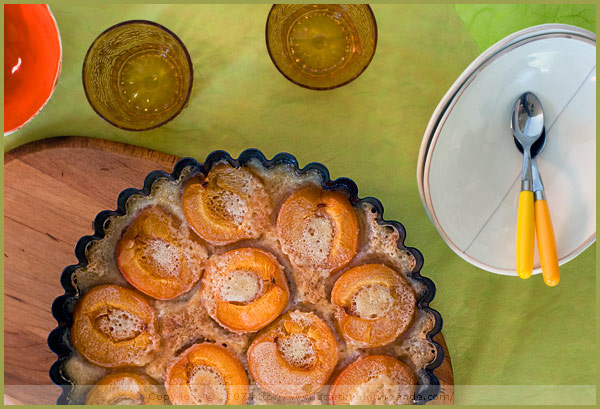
[63,306]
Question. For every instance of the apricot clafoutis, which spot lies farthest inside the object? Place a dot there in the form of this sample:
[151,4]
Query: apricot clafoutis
[158,256]
[115,327]
[318,229]
[374,380]
[250,284]
[125,388]
[207,374]
[228,205]
[244,289]
[293,357]
[374,305]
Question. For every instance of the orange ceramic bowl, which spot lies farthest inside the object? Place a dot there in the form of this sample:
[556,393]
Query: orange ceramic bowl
[32,57]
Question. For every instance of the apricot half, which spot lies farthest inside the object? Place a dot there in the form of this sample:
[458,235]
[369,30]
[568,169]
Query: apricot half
[374,380]
[207,374]
[125,388]
[228,205]
[293,357]
[244,289]
[318,229]
[115,327]
[374,305]
[158,257]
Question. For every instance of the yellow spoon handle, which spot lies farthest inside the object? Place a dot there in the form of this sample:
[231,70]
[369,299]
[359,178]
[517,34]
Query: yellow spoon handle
[525,234]
[546,243]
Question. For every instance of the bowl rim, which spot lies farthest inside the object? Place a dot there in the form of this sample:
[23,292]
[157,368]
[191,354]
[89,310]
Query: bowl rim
[449,100]
[469,74]
[375,37]
[56,74]
[63,306]
[177,40]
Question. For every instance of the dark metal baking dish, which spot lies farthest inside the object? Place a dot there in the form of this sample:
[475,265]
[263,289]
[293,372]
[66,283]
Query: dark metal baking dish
[63,306]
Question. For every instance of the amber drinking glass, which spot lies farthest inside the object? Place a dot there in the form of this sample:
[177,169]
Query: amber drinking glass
[137,75]
[321,46]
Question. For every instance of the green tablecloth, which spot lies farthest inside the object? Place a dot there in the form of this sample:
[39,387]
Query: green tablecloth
[500,330]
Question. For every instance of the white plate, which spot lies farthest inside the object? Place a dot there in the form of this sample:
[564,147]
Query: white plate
[469,167]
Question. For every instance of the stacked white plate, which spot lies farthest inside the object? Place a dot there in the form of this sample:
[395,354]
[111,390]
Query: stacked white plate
[469,167]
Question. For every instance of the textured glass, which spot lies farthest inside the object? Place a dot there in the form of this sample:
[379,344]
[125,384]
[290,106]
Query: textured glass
[321,46]
[137,75]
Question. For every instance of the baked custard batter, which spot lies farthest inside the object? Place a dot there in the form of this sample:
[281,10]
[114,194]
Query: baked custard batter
[247,285]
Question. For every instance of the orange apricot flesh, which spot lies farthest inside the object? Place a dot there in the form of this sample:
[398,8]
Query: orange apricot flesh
[125,388]
[374,305]
[244,289]
[228,205]
[158,257]
[294,356]
[318,229]
[207,374]
[115,327]
[374,380]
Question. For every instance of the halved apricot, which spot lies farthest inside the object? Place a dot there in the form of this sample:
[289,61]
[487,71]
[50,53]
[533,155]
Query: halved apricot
[374,305]
[228,205]
[244,289]
[158,257]
[115,327]
[207,374]
[374,380]
[318,229]
[125,388]
[294,356]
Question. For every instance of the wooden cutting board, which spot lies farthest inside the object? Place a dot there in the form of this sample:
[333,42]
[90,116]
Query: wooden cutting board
[53,189]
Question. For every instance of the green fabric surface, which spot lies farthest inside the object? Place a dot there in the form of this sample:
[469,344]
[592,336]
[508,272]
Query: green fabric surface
[500,330]
[488,23]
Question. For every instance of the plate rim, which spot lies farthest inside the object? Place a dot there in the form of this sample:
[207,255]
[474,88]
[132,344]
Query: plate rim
[485,57]
[449,100]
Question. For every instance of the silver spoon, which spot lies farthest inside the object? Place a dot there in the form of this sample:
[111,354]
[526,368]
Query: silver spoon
[527,125]
[526,119]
